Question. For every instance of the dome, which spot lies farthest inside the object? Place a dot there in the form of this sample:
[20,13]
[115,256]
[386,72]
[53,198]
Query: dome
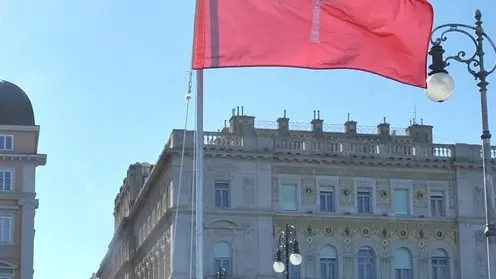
[15,106]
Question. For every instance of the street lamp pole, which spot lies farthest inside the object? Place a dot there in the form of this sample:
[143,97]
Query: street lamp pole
[287,246]
[440,87]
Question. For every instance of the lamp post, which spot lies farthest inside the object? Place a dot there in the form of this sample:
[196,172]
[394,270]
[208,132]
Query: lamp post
[440,87]
[221,274]
[287,246]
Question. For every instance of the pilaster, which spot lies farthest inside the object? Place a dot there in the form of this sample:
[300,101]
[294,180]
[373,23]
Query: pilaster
[27,237]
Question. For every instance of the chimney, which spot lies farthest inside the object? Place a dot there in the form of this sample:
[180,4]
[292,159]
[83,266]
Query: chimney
[420,133]
[317,124]
[283,125]
[350,127]
[241,123]
[383,129]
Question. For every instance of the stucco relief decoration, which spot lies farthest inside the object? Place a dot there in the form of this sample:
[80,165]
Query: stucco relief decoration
[309,240]
[420,233]
[382,192]
[382,232]
[309,196]
[309,229]
[420,190]
[451,195]
[346,185]
[440,235]
[420,195]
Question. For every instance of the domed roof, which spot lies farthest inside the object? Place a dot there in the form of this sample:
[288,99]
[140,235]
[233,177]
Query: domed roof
[15,106]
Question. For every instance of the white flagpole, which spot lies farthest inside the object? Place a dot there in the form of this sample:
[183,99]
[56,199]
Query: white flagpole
[199,174]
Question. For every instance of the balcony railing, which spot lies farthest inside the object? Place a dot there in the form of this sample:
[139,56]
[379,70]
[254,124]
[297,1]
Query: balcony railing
[315,146]
[312,146]
[335,147]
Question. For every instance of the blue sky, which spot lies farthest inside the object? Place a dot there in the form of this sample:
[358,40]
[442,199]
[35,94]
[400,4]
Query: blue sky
[107,80]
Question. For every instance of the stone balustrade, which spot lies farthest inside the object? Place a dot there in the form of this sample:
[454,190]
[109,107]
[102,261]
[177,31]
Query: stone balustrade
[314,146]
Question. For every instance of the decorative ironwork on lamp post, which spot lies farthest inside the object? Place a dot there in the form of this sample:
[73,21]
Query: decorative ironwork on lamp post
[440,87]
[221,274]
[287,247]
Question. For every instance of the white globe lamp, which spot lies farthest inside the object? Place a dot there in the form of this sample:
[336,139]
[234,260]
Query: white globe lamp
[440,87]
[278,266]
[295,259]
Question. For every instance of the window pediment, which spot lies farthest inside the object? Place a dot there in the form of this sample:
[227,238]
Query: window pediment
[223,224]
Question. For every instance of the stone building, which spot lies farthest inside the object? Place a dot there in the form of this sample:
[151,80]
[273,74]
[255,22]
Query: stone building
[387,203]
[19,158]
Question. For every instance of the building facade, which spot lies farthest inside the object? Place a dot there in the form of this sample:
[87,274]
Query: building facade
[19,158]
[382,204]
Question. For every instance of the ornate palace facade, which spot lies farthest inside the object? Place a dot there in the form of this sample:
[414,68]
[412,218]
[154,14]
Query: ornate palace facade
[382,204]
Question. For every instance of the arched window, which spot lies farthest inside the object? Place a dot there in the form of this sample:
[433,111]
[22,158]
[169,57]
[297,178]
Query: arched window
[222,257]
[328,263]
[439,262]
[366,263]
[403,264]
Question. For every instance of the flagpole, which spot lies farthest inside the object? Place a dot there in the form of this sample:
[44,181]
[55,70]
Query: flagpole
[199,174]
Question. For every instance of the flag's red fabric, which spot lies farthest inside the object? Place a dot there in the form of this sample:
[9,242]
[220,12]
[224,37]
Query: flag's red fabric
[386,37]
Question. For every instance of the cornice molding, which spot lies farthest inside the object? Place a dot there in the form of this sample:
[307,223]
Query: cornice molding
[37,159]
[35,128]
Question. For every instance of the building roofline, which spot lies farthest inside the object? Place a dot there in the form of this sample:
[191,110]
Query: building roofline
[154,174]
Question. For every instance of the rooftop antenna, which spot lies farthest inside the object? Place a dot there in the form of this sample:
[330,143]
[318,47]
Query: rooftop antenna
[348,116]
[414,114]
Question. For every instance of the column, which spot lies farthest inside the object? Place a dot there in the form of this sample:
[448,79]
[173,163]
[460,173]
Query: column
[152,267]
[422,269]
[160,262]
[27,237]
[157,265]
[147,269]
[385,268]
[348,268]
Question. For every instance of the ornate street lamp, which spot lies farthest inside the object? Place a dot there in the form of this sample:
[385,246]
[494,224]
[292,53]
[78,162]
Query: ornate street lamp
[287,246]
[440,87]
[221,274]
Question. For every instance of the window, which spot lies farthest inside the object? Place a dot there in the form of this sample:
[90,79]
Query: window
[5,276]
[289,201]
[5,181]
[6,143]
[401,202]
[439,262]
[403,264]
[366,263]
[221,194]
[437,203]
[328,266]
[364,200]
[326,199]
[5,229]
[223,257]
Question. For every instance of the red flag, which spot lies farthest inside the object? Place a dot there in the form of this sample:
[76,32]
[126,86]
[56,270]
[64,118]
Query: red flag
[386,37]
